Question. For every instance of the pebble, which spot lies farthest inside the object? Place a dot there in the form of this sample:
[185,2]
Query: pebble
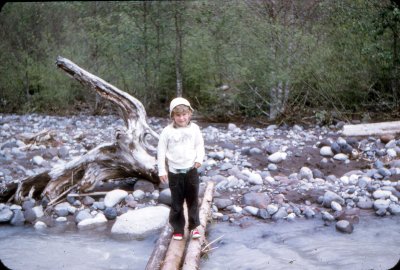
[228,164]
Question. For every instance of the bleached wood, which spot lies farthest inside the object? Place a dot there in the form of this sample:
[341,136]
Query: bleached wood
[129,155]
[193,252]
[370,129]
[160,249]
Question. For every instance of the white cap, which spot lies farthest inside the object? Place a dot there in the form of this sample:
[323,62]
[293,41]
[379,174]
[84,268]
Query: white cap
[179,101]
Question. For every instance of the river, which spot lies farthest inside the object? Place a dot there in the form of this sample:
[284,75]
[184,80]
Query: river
[302,244]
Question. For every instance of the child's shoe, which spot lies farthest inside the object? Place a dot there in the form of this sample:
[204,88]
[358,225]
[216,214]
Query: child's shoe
[177,236]
[196,234]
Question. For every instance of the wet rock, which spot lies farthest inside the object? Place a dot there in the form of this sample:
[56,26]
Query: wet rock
[29,215]
[82,215]
[114,197]
[138,224]
[38,210]
[90,223]
[344,226]
[263,213]
[394,209]
[40,225]
[18,218]
[5,214]
[280,214]
[110,213]
[326,216]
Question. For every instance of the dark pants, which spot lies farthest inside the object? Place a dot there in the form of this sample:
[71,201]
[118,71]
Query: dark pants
[184,186]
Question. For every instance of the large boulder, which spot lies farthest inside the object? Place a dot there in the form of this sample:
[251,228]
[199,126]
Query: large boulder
[138,224]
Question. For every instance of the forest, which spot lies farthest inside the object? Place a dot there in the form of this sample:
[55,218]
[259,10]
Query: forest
[319,60]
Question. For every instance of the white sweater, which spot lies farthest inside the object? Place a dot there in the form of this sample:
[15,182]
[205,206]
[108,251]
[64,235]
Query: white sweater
[180,147]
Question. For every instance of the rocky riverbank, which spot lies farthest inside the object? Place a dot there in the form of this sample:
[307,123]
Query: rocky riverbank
[267,173]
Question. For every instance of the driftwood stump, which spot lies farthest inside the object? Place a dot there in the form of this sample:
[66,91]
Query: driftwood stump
[130,155]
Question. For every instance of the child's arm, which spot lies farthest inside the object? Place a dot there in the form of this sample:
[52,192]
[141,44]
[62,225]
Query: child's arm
[199,145]
[161,152]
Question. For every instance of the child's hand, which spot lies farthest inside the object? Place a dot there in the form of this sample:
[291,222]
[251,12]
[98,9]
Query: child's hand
[197,165]
[164,179]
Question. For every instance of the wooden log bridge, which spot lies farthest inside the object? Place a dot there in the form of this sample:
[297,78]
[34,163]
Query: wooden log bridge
[185,254]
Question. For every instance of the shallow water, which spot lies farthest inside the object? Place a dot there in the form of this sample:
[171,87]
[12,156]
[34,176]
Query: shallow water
[305,244]
[26,248]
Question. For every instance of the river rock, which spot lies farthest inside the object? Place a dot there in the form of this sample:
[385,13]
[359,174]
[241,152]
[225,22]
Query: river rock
[330,196]
[344,226]
[381,204]
[90,223]
[326,151]
[5,214]
[381,194]
[259,200]
[18,218]
[165,197]
[82,215]
[38,210]
[277,157]
[280,214]
[138,194]
[335,206]
[110,213]
[305,173]
[62,209]
[29,215]
[272,209]
[40,225]
[394,209]
[145,186]
[222,203]
[341,157]
[308,212]
[138,224]
[114,197]
[365,203]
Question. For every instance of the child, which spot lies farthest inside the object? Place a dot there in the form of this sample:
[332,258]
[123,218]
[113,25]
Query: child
[181,150]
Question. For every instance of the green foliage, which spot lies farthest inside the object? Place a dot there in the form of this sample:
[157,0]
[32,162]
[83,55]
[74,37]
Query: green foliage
[329,55]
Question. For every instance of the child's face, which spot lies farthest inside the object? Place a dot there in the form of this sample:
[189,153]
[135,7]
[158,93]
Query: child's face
[182,119]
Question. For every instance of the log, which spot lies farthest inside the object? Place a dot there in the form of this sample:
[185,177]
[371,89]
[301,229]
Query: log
[161,247]
[372,129]
[129,155]
[193,252]
[176,249]
[187,251]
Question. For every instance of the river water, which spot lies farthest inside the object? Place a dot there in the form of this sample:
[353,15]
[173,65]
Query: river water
[302,244]
[306,244]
